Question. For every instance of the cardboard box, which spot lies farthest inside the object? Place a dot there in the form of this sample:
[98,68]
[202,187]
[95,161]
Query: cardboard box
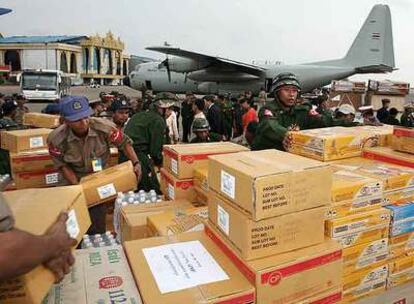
[201,178]
[269,183]
[182,160]
[401,212]
[100,275]
[339,227]
[401,264]
[290,277]
[357,238]
[388,155]
[402,218]
[181,277]
[402,245]
[134,217]
[172,222]
[341,209]
[393,177]
[330,296]
[31,161]
[403,139]
[361,252]
[397,295]
[351,186]
[24,140]
[399,196]
[35,214]
[38,179]
[174,188]
[103,186]
[333,143]
[365,282]
[256,239]
[400,279]
[40,120]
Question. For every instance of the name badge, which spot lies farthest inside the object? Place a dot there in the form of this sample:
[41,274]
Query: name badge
[97,165]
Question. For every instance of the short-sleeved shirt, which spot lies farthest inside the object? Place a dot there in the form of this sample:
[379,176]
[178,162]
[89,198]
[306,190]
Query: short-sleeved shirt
[6,216]
[67,149]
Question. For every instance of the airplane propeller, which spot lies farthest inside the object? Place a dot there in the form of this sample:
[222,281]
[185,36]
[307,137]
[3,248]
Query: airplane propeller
[166,63]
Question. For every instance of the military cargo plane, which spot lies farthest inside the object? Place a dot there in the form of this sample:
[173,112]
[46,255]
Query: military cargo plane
[371,52]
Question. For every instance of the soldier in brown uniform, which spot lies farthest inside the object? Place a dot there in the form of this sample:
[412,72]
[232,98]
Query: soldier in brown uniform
[81,146]
[21,251]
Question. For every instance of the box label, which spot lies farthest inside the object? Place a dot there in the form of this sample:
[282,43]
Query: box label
[182,265]
[52,178]
[223,219]
[347,228]
[228,184]
[36,142]
[174,166]
[72,226]
[106,191]
[171,191]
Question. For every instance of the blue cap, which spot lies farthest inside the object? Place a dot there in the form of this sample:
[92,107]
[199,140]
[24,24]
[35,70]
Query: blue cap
[74,108]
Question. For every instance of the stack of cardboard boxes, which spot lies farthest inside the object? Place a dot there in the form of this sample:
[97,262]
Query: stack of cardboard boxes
[401,150]
[357,221]
[266,213]
[180,161]
[30,162]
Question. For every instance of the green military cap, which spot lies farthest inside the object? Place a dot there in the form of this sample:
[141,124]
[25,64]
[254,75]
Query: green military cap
[165,99]
[285,79]
[200,124]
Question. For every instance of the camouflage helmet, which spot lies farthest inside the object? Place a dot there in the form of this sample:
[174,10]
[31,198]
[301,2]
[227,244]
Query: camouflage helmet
[200,124]
[285,79]
[165,99]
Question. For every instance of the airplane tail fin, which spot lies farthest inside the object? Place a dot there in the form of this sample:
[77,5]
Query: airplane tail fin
[372,50]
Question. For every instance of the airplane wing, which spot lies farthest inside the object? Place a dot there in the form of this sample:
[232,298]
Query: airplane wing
[216,62]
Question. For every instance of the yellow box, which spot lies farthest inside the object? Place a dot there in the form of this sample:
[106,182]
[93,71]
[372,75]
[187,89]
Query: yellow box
[338,142]
[171,222]
[401,264]
[367,236]
[359,253]
[399,196]
[365,282]
[393,176]
[201,178]
[400,278]
[339,227]
[351,299]
[402,249]
[402,245]
[371,262]
[351,186]
[341,209]
[403,139]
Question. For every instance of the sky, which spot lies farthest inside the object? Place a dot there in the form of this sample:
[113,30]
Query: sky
[295,31]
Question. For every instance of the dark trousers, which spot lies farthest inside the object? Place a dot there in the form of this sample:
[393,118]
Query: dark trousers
[186,128]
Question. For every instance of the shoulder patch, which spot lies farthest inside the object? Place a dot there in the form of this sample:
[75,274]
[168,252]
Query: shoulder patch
[268,113]
[116,136]
[54,151]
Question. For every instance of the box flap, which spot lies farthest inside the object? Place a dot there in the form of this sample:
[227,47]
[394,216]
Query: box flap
[262,163]
[205,148]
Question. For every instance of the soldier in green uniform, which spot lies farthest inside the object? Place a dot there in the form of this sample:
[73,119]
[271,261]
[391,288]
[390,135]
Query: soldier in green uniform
[81,146]
[407,118]
[227,113]
[201,130]
[282,115]
[7,122]
[148,133]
